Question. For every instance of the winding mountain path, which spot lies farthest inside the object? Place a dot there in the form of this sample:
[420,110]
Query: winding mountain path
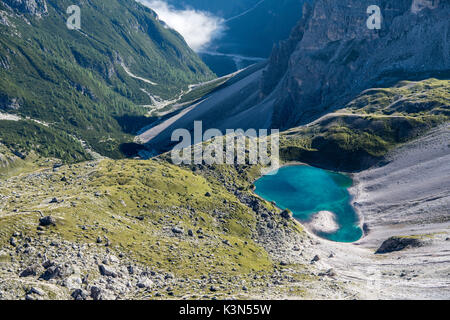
[349,114]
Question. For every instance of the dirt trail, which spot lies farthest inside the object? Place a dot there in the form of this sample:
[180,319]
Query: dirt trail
[349,114]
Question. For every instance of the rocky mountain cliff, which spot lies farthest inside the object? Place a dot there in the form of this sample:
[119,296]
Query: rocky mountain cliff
[336,55]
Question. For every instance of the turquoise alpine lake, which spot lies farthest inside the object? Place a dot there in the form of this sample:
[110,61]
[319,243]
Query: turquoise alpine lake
[306,191]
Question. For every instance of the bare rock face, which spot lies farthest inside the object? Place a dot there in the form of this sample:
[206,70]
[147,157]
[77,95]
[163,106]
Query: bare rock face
[337,56]
[33,7]
[323,222]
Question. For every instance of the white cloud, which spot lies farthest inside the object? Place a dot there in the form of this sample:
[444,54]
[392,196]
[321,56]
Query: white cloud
[198,28]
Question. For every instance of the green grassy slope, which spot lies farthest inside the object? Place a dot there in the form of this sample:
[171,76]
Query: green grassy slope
[74,80]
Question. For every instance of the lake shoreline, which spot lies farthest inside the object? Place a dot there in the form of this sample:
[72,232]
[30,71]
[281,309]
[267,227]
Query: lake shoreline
[308,225]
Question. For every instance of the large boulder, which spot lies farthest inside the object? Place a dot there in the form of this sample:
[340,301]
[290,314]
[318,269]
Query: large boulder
[286,214]
[79,294]
[52,272]
[397,244]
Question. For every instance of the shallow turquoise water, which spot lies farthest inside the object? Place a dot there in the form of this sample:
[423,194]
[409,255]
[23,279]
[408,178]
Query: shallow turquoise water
[306,190]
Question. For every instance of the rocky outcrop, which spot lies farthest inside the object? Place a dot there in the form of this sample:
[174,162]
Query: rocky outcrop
[397,244]
[33,7]
[8,103]
[337,56]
